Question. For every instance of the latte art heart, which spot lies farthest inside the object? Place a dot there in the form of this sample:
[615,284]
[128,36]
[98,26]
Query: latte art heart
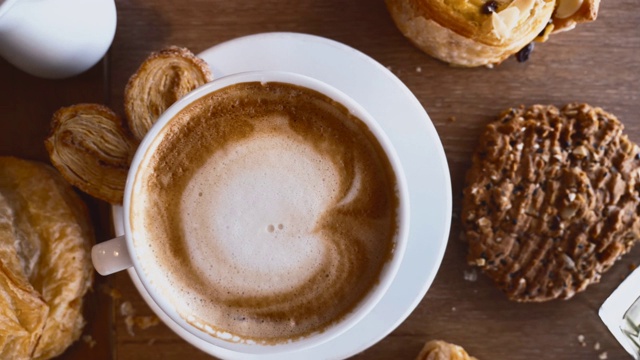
[265,213]
[259,216]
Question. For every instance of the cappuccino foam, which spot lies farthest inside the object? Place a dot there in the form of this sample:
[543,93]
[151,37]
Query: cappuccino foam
[265,212]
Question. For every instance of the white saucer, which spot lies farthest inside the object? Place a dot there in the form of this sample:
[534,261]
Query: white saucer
[414,137]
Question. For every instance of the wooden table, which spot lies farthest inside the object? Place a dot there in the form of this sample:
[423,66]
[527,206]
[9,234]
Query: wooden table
[595,63]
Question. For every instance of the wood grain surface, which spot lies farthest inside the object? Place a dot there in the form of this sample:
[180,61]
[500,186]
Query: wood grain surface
[596,63]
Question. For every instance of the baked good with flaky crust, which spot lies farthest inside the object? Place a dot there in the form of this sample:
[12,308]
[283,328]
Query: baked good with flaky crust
[442,350]
[485,32]
[551,200]
[92,149]
[45,268]
[162,79]
[569,13]
[90,145]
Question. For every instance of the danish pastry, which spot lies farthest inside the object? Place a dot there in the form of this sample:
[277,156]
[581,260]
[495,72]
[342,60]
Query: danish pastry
[163,78]
[91,148]
[484,32]
[552,200]
[45,268]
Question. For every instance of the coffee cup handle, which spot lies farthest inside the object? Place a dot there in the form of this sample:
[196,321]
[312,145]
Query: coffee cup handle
[111,256]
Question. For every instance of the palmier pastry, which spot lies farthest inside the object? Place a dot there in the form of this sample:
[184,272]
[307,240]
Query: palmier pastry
[442,350]
[552,200]
[163,78]
[485,32]
[90,146]
[45,268]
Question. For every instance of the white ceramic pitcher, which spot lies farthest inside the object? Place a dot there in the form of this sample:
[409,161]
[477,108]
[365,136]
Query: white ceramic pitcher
[56,38]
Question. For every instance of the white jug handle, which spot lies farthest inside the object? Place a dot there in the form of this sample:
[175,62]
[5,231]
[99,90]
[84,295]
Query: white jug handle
[111,256]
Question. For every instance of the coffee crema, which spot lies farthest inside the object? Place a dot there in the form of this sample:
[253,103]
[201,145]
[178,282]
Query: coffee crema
[264,212]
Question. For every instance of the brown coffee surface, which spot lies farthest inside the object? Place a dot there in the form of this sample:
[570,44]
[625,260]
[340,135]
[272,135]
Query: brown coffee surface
[265,213]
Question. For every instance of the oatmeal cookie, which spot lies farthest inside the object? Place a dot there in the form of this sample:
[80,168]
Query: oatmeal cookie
[551,200]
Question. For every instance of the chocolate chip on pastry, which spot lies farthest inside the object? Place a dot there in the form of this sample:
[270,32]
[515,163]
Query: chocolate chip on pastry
[442,350]
[551,200]
[45,269]
[90,146]
[163,78]
[475,33]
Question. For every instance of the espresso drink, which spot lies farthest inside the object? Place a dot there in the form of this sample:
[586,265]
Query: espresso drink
[264,212]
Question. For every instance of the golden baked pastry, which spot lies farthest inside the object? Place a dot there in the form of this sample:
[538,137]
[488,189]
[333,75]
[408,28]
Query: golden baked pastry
[442,350]
[45,268]
[163,78]
[569,13]
[551,200]
[89,145]
[485,32]
[23,312]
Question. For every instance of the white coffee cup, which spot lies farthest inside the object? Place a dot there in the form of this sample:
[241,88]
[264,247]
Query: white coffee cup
[56,38]
[120,253]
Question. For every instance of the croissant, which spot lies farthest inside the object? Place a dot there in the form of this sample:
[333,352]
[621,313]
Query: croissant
[163,78]
[442,350]
[91,148]
[485,32]
[45,269]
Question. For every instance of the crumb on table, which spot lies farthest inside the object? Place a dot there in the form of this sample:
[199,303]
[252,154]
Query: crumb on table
[88,339]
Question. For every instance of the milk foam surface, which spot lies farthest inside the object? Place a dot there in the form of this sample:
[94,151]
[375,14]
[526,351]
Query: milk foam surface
[255,207]
[266,212]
